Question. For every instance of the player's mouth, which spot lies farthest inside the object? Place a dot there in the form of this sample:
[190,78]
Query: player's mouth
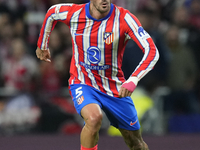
[104,4]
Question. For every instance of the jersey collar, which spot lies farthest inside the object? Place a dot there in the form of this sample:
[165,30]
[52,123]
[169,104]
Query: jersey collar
[87,7]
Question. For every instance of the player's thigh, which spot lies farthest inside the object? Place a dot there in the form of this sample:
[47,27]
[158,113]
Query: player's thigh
[85,101]
[121,112]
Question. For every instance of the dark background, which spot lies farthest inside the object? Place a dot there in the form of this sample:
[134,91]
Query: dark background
[36,110]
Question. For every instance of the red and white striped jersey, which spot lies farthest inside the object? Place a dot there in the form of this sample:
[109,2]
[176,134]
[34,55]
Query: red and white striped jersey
[98,45]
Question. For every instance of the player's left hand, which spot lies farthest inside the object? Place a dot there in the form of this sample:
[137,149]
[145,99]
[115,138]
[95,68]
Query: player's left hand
[128,87]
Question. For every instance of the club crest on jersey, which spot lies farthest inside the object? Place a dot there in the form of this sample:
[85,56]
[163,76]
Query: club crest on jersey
[80,100]
[108,37]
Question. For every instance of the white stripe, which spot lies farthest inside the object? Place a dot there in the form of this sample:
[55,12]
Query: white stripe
[59,5]
[48,26]
[109,39]
[86,45]
[131,22]
[143,42]
[47,31]
[105,82]
[151,65]
[63,15]
[143,59]
[116,31]
[73,29]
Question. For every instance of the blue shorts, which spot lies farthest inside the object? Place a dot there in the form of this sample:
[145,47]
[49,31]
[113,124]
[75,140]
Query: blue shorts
[120,111]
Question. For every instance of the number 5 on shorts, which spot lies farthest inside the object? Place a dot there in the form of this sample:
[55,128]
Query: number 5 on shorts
[79,92]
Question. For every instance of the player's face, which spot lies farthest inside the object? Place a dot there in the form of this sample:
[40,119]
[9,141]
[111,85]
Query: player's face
[102,6]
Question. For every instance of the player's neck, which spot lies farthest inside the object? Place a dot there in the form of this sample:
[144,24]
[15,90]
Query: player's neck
[96,13]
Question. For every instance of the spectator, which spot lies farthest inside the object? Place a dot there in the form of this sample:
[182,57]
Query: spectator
[50,82]
[157,77]
[6,36]
[55,43]
[194,23]
[194,13]
[182,75]
[19,69]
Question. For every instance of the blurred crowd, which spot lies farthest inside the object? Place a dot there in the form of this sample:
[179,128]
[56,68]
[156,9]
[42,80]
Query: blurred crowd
[34,94]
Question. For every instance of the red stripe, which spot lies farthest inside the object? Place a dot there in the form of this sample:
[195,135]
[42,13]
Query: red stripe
[121,47]
[93,42]
[131,33]
[150,57]
[79,39]
[135,18]
[73,69]
[108,55]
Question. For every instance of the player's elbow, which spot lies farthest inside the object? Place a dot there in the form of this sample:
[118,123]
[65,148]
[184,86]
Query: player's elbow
[156,58]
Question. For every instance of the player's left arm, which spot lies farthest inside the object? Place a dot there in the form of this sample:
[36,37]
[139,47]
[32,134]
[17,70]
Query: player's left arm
[136,32]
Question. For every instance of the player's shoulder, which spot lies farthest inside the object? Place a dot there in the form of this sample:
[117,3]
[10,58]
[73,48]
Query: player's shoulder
[76,7]
[67,6]
[123,11]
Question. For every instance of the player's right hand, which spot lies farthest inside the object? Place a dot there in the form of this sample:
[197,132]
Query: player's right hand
[43,54]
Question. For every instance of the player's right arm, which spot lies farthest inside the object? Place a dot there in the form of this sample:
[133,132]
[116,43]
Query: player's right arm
[56,13]
[43,54]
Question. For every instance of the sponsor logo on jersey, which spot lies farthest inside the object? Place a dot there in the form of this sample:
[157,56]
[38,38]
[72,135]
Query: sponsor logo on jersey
[108,37]
[143,33]
[94,57]
[94,54]
[104,67]
[80,100]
